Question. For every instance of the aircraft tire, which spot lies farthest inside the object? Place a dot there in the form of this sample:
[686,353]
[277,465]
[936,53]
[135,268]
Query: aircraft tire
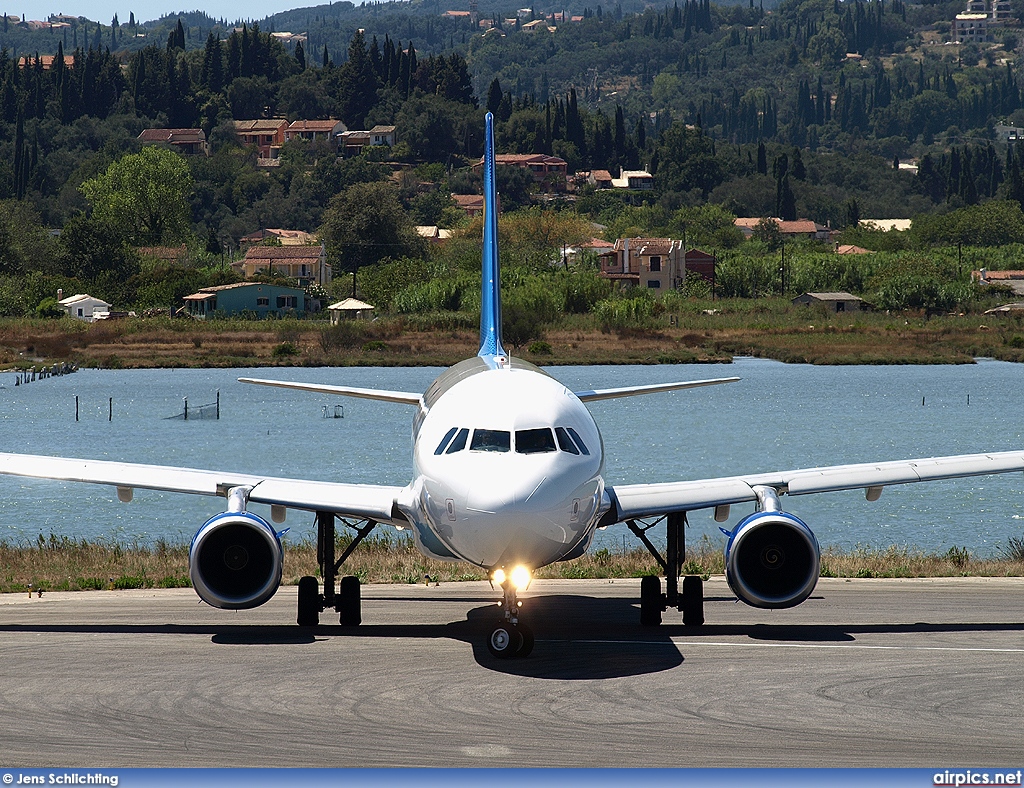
[309,602]
[505,641]
[526,635]
[650,601]
[349,614]
[693,601]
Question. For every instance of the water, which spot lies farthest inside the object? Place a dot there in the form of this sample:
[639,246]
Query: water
[777,417]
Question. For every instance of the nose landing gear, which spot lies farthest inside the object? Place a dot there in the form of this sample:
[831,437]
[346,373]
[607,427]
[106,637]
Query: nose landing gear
[511,637]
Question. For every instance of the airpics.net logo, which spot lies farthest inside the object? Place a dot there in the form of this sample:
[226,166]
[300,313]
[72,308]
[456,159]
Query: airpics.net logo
[968,777]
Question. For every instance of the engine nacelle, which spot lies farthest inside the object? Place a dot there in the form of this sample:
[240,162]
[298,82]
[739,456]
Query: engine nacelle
[235,561]
[772,560]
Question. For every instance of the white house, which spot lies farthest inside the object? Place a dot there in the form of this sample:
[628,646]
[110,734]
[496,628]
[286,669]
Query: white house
[84,307]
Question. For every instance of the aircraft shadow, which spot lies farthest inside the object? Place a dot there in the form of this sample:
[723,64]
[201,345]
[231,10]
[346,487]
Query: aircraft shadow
[577,637]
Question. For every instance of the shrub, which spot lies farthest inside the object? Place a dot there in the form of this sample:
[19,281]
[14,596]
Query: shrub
[284,350]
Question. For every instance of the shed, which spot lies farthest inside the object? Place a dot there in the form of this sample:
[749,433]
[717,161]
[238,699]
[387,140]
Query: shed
[1006,309]
[836,302]
[349,309]
[84,307]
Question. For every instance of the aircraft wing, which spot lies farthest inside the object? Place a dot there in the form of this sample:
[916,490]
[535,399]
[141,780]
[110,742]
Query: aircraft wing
[630,501]
[653,388]
[401,397]
[371,501]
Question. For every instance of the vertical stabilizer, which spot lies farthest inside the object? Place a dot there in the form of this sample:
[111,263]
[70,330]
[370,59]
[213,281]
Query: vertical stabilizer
[490,295]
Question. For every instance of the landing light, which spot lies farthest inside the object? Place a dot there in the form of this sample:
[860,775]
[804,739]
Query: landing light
[498,576]
[521,577]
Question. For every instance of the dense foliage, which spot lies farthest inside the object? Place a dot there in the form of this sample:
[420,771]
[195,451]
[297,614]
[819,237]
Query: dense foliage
[736,110]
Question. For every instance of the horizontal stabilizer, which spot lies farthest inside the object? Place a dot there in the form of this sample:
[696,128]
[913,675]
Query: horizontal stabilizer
[654,388]
[401,397]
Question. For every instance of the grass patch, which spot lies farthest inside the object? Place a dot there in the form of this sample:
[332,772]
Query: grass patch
[57,563]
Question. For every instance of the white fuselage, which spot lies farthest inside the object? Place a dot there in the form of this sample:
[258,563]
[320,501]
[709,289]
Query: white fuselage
[507,468]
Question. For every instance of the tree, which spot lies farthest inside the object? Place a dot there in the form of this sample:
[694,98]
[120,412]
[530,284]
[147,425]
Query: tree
[94,247]
[25,244]
[146,194]
[365,224]
[687,161]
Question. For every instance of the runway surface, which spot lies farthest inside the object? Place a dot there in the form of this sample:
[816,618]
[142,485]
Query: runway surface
[865,673]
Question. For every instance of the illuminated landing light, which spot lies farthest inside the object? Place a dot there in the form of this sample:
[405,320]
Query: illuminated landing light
[498,576]
[521,578]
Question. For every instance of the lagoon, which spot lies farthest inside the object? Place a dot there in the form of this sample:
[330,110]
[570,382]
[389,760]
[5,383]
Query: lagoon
[778,416]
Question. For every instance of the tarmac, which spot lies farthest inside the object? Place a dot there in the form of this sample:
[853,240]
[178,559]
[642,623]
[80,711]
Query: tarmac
[923,672]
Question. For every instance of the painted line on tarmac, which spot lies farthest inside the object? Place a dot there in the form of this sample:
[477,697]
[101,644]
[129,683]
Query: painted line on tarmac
[835,646]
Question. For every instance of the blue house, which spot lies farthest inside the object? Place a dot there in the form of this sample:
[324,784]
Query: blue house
[253,298]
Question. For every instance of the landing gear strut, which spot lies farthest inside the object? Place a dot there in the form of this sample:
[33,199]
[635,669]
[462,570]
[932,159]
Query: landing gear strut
[347,601]
[652,601]
[511,637]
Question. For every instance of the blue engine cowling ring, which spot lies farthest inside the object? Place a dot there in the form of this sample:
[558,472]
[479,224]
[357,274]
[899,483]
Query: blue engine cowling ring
[772,560]
[236,561]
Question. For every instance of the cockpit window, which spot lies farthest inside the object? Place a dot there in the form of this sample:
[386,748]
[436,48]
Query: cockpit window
[460,441]
[578,440]
[534,441]
[444,441]
[490,440]
[564,441]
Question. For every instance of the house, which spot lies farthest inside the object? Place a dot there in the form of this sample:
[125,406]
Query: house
[472,204]
[352,142]
[1012,279]
[433,233]
[537,25]
[286,37]
[656,263]
[305,264]
[600,179]
[84,307]
[970,28]
[791,230]
[349,309]
[46,61]
[804,228]
[547,170]
[834,302]
[262,300]
[851,249]
[700,263]
[190,142]
[312,130]
[886,225]
[267,136]
[637,180]
[277,234]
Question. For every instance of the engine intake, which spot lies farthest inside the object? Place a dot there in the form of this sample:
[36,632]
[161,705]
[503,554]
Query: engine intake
[772,560]
[235,561]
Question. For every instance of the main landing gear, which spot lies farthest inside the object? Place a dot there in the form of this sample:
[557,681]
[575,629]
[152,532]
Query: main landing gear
[346,601]
[652,602]
[511,637]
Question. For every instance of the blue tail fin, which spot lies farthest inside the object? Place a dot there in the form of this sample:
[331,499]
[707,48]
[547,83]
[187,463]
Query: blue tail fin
[490,296]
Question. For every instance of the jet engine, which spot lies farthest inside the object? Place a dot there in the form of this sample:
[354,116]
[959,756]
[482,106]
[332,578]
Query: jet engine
[235,561]
[772,560]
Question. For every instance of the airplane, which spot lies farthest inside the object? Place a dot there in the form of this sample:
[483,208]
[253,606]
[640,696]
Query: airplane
[508,476]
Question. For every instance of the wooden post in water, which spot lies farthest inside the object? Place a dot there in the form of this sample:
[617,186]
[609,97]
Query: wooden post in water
[76,407]
[110,409]
[186,407]
[218,404]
